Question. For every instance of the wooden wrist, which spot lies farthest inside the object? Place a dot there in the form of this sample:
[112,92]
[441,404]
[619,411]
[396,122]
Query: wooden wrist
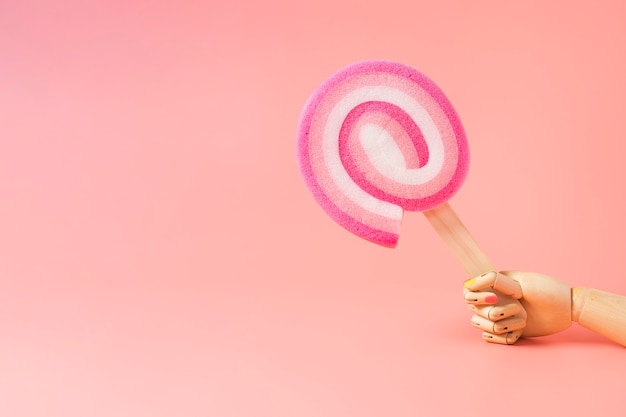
[600,311]
[579,297]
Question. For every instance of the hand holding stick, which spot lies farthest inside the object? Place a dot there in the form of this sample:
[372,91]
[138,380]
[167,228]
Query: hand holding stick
[508,328]
[550,306]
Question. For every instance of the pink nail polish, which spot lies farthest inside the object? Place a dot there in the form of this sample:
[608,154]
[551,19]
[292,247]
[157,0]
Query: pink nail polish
[491,299]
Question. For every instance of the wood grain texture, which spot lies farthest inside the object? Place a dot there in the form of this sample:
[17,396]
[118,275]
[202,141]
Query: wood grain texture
[459,240]
[600,311]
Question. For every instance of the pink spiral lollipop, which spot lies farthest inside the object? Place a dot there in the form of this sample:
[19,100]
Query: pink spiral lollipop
[378,138]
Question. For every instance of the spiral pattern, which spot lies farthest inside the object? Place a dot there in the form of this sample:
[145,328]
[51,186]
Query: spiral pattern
[378,138]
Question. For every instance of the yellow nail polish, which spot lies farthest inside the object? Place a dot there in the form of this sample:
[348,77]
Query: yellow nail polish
[470,282]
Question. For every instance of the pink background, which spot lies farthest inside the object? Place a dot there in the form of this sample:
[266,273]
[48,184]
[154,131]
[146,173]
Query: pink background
[161,256]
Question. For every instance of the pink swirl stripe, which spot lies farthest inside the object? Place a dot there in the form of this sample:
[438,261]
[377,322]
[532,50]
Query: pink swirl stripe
[378,138]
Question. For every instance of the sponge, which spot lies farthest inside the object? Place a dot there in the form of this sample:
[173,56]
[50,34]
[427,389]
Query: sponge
[378,138]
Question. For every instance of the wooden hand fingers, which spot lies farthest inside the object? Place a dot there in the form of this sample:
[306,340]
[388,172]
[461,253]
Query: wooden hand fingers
[504,338]
[497,281]
[494,299]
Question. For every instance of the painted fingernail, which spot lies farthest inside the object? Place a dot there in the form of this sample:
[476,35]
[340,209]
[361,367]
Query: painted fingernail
[491,299]
[470,282]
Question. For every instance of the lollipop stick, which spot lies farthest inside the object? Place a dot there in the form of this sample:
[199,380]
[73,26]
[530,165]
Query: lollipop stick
[458,239]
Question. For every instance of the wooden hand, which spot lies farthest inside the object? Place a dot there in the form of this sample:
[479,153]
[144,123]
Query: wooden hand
[511,304]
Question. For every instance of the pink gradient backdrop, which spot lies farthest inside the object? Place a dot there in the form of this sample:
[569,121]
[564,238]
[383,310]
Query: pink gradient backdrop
[161,256]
